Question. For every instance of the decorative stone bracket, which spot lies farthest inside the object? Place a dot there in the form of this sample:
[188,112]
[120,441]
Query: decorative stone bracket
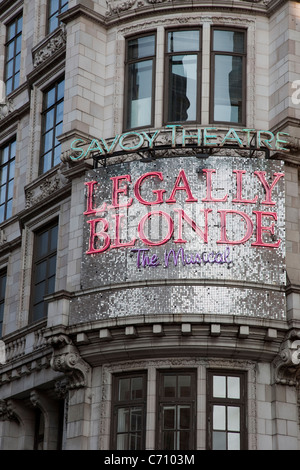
[287,363]
[66,359]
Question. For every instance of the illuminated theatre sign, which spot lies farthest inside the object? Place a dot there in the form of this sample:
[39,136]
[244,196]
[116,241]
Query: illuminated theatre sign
[184,235]
[176,136]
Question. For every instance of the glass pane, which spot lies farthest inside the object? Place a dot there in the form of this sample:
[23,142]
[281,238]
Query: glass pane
[219,441]
[2,287]
[233,418]
[40,272]
[5,154]
[11,30]
[169,386]
[10,190]
[123,420]
[233,384]
[2,212]
[51,285]
[135,442]
[57,152]
[179,41]
[38,311]
[8,85]
[50,97]
[219,386]
[18,44]
[42,244]
[53,23]
[13,149]
[136,419]
[229,41]
[184,417]
[9,68]
[228,89]
[140,94]
[169,417]
[11,170]
[184,438]
[59,112]
[184,385]
[16,80]
[49,120]
[219,418]
[39,292]
[53,238]
[17,63]
[122,442]
[54,5]
[183,88]
[9,209]
[48,141]
[141,47]
[3,176]
[233,441]
[2,194]
[46,162]
[60,90]
[124,389]
[19,24]
[52,266]
[136,388]
[10,51]
[169,440]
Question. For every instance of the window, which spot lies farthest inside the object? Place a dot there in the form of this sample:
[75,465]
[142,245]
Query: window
[176,410]
[53,109]
[139,82]
[55,8]
[13,54]
[45,251]
[7,172]
[129,412]
[182,87]
[228,76]
[2,298]
[226,411]
[39,430]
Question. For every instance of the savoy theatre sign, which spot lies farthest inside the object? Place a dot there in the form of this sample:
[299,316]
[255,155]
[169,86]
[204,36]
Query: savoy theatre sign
[185,235]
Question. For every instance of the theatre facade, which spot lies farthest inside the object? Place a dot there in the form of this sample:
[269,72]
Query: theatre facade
[149,225]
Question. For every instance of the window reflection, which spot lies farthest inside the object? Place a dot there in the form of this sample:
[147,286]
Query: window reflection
[228,68]
[182,85]
[140,72]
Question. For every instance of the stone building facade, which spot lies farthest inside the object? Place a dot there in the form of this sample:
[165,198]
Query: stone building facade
[149,224]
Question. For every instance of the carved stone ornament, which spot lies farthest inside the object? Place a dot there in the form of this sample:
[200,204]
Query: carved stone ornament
[6,108]
[115,7]
[66,359]
[50,47]
[287,363]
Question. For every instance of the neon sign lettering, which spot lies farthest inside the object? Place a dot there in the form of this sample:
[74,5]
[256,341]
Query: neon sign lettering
[175,258]
[105,233]
[178,136]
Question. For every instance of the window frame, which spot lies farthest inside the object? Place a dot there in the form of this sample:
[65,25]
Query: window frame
[8,165]
[44,130]
[13,41]
[3,277]
[128,62]
[167,56]
[213,53]
[116,404]
[162,401]
[55,15]
[241,403]
[38,260]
